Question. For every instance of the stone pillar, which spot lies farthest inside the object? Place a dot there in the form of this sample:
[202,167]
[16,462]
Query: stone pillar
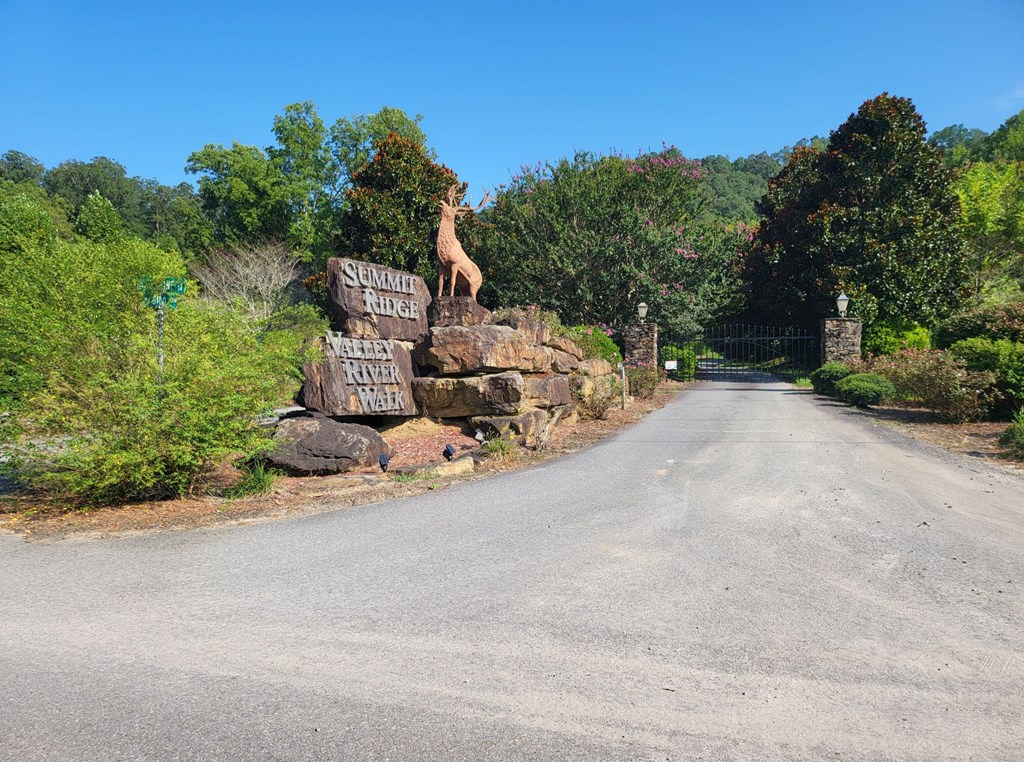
[840,339]
[641,342]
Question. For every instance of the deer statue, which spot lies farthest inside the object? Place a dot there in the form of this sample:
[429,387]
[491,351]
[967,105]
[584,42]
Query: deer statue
[452,260]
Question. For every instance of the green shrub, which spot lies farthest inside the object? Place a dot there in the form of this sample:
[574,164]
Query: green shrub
[595,342]
[686,359]
[884,338]
[1003,321]
[643,379]
[864,389]
[825,378]
[112,434]
[938,380]
[1003,358]
[1013,438]
[607,394]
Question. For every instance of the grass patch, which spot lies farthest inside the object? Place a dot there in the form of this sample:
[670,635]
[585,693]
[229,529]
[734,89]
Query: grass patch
[257,479]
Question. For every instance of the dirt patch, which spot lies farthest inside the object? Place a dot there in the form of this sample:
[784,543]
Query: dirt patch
[977,440]
[415,442]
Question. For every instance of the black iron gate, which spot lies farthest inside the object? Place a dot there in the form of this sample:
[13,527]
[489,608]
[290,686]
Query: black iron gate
[743,352]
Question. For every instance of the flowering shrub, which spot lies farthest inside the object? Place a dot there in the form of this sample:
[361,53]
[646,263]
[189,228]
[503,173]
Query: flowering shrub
[938,380]
[595,341]
[1004,321]
[643,379]
[1003,358]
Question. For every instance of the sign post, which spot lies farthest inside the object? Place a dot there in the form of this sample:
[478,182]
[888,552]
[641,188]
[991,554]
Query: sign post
[161,293]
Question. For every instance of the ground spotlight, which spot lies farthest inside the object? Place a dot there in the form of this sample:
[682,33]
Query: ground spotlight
[449,452]
[384,460]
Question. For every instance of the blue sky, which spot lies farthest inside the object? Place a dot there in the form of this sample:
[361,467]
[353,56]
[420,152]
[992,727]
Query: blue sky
[499,84]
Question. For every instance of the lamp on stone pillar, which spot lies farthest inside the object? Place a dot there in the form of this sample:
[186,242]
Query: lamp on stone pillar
[641,311]
[841,302]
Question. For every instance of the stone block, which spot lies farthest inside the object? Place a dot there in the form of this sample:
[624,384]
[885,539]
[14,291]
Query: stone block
[595,367]
[446,311]
[316,445]
[562,344]
[359,377]
[497,394]
[547,391]
[563,362]
[529,324]
[373,301]
[459,350]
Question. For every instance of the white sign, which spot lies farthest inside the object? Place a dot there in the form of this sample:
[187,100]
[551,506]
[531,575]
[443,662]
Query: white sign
[671,364]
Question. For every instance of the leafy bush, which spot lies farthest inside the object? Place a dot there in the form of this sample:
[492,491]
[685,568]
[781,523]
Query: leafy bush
[938,380]
[825,378]
[1013,438]
[643,379]
[685,356]
[886,337]
[1003,321]
[1005,359]
[595,342]
[864,389]
[606,395]
[113,434]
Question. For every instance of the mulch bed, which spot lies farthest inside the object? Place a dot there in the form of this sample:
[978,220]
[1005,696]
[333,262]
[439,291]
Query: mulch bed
[977,439]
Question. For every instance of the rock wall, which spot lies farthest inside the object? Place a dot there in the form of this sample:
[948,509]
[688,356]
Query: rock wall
[398,352]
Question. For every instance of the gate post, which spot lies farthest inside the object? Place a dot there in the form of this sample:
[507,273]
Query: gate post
[840,339]
[641,344]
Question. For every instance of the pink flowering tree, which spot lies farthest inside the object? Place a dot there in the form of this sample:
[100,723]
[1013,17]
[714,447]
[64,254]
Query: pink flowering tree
[592,236]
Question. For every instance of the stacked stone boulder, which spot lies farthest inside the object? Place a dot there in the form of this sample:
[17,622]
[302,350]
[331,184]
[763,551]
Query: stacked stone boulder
[506,377]
[397,352]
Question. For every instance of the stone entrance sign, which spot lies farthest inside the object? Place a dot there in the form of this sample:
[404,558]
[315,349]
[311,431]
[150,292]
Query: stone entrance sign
[360,377]
[376,302]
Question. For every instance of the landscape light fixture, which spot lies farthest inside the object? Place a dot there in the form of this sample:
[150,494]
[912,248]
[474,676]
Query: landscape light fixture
[480,436]
[641,310]
[841,302]
[449,452]
[384,460]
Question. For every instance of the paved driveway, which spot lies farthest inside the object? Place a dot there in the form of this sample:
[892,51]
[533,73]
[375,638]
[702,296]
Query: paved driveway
[751,573]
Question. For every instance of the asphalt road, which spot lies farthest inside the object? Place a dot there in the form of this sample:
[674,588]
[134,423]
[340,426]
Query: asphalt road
[750,573]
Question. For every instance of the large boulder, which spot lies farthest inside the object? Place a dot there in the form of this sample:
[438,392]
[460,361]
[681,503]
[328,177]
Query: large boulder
[563,362]
[524,428]
[446,311]
[359,377]
[497,394]
[316,445]
[562,344]
[528,323]
[459,350]
[375,302]
[595,367]
[547,391]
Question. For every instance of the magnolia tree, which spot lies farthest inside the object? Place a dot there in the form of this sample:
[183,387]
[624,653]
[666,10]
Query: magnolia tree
[592,236]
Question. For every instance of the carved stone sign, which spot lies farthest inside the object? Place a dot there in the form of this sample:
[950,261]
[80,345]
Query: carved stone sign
[360,377]
[373,301]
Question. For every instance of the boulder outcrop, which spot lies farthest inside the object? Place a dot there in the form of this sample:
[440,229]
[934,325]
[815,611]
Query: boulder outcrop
[461,350]
[317,445]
